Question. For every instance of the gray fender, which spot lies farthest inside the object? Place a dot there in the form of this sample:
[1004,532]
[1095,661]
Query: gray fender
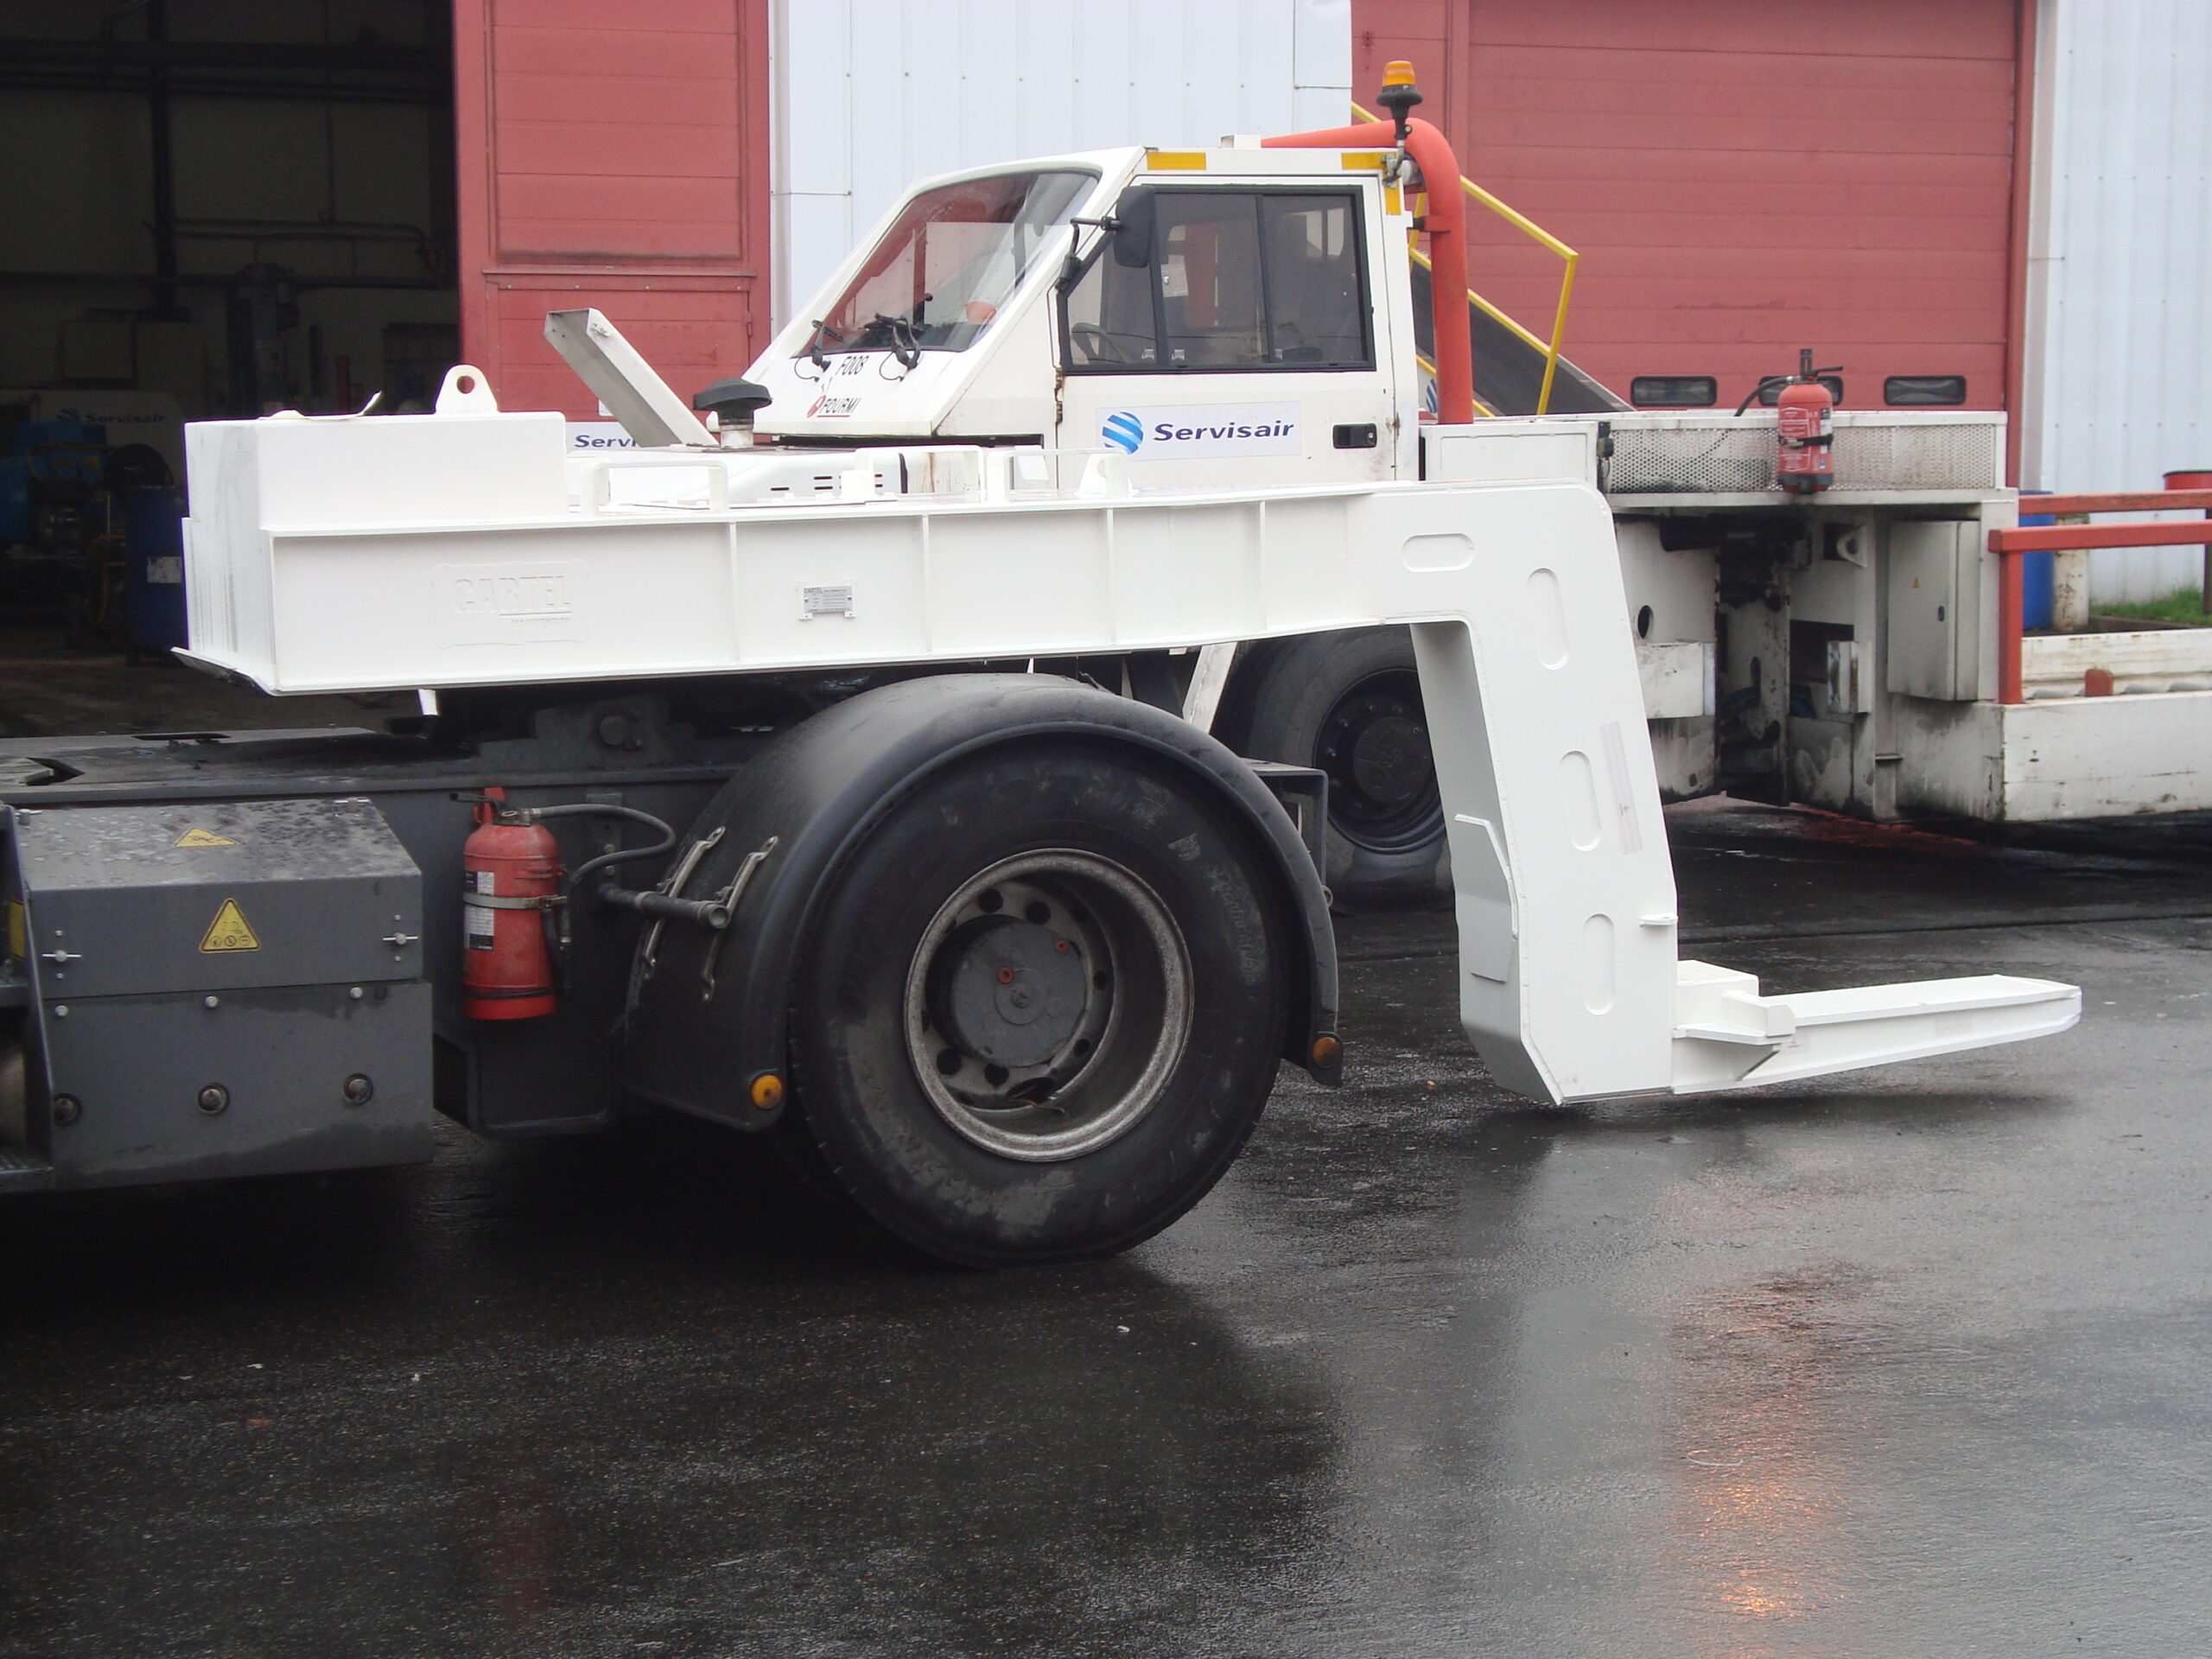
[820,787]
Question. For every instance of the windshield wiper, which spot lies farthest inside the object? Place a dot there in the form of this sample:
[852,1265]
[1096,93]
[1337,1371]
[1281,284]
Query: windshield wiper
[905,344]
[822,331]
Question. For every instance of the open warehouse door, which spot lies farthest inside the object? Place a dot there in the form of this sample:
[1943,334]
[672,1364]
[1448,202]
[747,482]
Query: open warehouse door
[214,211]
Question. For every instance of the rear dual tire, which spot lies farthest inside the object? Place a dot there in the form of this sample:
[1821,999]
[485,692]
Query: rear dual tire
[1349,704]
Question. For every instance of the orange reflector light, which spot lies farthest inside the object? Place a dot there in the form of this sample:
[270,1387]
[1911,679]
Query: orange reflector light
[1398,73]
[767,1091]
[1327,1051]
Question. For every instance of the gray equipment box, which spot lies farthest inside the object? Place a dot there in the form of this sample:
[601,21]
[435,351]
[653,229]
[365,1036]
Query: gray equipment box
[222,989]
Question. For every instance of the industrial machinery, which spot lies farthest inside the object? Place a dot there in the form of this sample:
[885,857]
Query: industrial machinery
[89,525]
[863,794]
[1819,607]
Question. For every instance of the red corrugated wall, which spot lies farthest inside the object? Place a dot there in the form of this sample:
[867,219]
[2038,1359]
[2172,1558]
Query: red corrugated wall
[614,155]
[1742,177]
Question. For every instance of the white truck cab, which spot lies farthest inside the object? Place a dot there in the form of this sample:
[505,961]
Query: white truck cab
[1183,308]
[1255,317]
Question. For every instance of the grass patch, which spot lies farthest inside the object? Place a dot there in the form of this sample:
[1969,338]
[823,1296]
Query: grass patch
[2183,605]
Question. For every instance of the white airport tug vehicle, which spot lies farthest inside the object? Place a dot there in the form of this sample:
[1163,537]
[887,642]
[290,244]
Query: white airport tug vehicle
[864,795]
[1250,316]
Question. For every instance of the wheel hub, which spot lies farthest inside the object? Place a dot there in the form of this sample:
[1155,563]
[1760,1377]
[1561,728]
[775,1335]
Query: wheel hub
[1390,759]
[1047,1004]
[1007,991]
[1375,746]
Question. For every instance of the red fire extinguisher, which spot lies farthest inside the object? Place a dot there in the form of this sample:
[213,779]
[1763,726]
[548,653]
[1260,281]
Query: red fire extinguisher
[1804,419]
[511,881]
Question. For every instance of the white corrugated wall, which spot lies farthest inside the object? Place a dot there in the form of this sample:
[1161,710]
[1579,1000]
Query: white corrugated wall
[2122,263]
[873,94]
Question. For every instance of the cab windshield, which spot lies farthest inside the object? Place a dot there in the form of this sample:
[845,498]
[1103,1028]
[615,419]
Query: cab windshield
[943,270]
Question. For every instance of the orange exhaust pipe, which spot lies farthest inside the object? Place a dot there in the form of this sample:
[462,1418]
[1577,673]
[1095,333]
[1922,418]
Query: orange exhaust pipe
[1446,223]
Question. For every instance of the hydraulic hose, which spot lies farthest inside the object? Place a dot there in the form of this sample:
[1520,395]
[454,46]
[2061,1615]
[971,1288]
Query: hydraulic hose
[604,810]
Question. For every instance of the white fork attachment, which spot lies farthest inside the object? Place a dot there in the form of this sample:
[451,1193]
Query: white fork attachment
[1727,1036]
[1569,980]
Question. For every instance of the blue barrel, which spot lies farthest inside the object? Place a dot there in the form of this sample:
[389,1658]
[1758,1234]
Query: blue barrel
[16,520]
[153,567]
[2038,576]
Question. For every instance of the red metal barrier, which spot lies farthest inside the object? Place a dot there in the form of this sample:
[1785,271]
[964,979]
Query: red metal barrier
[2011,608]
[2047,538]
[2190,482]
[2009,545]
[2180,495]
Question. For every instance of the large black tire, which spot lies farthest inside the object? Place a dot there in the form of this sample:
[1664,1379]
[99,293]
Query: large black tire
[1041,1011]
[1351,704]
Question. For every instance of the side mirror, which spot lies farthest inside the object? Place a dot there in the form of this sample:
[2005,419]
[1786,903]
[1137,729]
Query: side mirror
[1134,215]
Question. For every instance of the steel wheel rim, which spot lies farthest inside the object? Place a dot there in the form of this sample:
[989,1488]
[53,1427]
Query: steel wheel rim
[1385,803]
[1110,1052]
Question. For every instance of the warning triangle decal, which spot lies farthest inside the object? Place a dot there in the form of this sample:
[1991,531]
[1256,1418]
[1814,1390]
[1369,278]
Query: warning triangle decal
[197,837]
[229,931]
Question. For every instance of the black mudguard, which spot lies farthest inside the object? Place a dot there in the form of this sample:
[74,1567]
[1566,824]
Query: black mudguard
[712,1010]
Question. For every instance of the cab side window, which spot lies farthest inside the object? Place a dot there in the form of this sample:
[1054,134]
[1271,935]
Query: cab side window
[1237,282]
[1207,249]
[1317,315]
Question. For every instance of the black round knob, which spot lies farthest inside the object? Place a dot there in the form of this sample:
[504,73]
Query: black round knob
[734,401]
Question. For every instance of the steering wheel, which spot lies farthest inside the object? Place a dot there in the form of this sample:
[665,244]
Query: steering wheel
[1096,344]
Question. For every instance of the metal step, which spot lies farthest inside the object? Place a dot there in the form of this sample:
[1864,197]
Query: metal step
[24,1171]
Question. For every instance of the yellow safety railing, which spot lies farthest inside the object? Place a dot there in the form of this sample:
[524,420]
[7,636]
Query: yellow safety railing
[1428,366]
[1537,233]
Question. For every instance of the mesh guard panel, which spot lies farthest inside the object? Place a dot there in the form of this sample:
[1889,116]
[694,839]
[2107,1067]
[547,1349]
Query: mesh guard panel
[1719,455]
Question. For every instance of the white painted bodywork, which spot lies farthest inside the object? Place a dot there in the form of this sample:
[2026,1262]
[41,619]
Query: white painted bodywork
[2153,659]
[2104,757]
[317,563]
[1677,679]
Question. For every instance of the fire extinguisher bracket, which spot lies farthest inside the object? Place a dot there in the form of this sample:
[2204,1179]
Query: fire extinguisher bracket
[1804,425]
[509,865]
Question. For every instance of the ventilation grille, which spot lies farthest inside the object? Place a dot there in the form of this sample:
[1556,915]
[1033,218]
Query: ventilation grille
[1736,457]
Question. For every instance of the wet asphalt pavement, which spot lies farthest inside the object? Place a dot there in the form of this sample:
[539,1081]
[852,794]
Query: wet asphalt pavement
[1911,1363]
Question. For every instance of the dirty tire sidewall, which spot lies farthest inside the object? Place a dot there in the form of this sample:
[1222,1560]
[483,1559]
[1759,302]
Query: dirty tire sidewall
[868,1121]
[1293,686]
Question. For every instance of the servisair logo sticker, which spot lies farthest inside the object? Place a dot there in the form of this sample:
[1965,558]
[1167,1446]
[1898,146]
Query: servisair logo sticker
[1201,431]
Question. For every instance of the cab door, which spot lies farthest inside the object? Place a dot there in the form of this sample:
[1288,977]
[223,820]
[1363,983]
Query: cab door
[1225,336]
